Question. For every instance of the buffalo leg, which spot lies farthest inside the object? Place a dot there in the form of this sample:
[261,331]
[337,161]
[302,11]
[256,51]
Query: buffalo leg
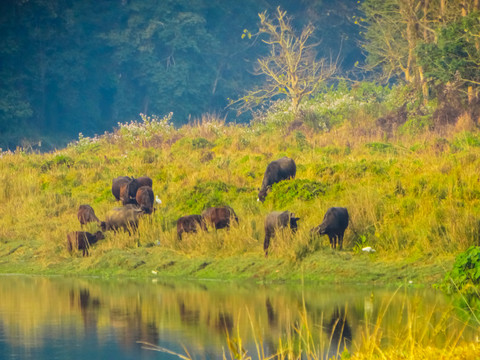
[266,243]
[332,241]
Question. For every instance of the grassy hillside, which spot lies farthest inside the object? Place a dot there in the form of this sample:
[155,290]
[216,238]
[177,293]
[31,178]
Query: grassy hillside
[413,194]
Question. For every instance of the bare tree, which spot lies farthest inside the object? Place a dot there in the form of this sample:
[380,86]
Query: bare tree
[291,67]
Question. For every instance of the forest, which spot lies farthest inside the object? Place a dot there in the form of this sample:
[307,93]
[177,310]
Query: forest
[71,67]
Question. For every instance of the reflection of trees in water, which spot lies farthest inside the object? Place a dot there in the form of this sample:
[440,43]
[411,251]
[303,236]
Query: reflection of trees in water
[128,324]
[195,314]
[330,330]
[220,321]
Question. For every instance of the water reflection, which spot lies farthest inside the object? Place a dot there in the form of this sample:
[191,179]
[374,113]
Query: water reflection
[339,330]
[44,318]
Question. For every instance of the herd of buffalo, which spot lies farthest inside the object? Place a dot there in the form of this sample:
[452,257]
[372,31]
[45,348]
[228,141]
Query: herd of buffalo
[137,197]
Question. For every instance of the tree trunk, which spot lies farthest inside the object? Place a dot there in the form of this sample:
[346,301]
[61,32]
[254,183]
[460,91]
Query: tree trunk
[471,95]
[146,102]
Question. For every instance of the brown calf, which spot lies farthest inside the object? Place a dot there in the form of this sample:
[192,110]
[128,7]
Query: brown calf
[219,217]
[190,223]
[86,214]
[82,240]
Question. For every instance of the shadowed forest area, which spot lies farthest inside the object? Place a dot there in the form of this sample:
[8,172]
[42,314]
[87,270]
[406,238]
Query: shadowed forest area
[71,67]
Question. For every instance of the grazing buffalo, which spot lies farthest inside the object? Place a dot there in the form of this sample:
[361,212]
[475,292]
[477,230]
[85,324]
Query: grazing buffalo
[132,187]
[278,220]
[117,184]
[334,224]
[82,240]
[86,214]
[278,170]
[145,199]
[219,217]
[190,223]
[122,217]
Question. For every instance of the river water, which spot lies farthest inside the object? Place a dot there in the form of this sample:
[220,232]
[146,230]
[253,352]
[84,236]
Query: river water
[89,318]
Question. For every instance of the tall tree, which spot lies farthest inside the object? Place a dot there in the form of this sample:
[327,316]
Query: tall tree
[395,29]
[455,55]
[291,68]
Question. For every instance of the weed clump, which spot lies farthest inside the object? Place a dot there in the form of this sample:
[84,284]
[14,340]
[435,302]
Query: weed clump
[204,195]
[465,274]
[286,192]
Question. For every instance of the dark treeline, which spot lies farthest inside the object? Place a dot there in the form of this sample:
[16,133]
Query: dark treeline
[72,66]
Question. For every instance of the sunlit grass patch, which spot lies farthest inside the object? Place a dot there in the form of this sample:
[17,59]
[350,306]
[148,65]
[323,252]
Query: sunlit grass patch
[406,194]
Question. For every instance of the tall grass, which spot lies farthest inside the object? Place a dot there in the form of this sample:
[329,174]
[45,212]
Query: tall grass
[406,194]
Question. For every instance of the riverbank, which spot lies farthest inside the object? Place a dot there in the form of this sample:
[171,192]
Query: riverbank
[412,194]
[324,266]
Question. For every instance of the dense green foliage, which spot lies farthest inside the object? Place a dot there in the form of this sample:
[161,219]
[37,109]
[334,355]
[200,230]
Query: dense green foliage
[465,274]
[424,43]
[456,53]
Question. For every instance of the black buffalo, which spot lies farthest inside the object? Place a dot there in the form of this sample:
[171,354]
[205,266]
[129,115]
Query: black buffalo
[219,217]
[117,184]
[278,170]
[130,194]
[82,240]
[278,220]
[190,223]
[334,224]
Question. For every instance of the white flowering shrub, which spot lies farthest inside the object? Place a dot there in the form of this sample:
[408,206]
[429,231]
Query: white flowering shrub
[210,124]
[149,127]
[6,153]
[85,143]
[273,115]
[331,108]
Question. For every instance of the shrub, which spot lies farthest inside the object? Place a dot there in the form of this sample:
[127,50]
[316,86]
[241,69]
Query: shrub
[380,147]
[203,195]
[285,192]
[201,143]
[465,275]
[59,160]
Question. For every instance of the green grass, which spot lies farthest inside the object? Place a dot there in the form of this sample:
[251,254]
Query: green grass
[415,199]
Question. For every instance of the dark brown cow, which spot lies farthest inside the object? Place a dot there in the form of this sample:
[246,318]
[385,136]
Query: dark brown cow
[334,224]
[124,198]
[219,217]
[278,220]
[122,218]
[145,199]
[117,184]
[132,187]
[82,240]
[86,214]
[278,170]
[190,223]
